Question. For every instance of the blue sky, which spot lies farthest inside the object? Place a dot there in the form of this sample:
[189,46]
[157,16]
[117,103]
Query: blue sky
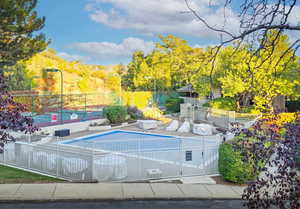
[108,31]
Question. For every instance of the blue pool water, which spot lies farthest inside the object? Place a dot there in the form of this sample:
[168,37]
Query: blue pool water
[127,141]
[160,148]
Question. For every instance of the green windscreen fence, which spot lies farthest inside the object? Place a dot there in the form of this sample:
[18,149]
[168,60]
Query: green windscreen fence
[160,98]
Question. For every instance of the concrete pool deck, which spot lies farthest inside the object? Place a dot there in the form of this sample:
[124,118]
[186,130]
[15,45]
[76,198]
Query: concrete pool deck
[130,127]
[116,191]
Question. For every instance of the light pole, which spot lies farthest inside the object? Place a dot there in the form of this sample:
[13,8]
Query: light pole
[32,78]
[53,70]
[154,87]
[32,100]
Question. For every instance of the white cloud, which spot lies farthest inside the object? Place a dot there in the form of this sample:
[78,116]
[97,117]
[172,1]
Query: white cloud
[294,17]
[73,57]
[203,46]
[104,50]
[161,16]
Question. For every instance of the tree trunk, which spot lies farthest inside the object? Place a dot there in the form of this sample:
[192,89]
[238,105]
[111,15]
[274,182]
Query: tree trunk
[278,103]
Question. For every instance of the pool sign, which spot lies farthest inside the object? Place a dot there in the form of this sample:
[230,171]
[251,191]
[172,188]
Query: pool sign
[188,156]
[53,117]
[74,116]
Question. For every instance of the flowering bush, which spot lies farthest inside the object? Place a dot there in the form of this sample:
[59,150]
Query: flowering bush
[263,140]
[280,119]
[155,113]
[139,99]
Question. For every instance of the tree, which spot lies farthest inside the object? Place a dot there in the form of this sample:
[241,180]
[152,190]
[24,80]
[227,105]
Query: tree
[133,70]
[113,82]
[183,60]
[18,25]
[19,78]
[259,18]
[249,78]
[154,73]
[169,66]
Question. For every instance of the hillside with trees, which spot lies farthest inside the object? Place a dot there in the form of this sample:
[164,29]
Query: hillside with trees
[78,77]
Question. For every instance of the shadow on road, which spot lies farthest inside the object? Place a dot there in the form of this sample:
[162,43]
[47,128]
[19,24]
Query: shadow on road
[141,204]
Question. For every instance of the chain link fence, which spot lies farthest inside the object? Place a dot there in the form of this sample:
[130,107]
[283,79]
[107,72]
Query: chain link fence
[48,108]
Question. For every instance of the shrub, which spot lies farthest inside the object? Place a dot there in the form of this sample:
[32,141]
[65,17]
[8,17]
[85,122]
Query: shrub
[279,119]
[224,103]
[135,113]
[115,114]
[173,104]
[232,166]
[293,106]
[249,109]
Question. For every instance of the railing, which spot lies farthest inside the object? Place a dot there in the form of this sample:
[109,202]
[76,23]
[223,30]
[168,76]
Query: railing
[217,117]
[194,101]
[117,160]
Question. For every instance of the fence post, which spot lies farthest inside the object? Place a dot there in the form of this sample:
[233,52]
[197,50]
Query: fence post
[181,157]
[29,157]
[203,155]
[139,158]
[57,157]
[85,108]
[32,103]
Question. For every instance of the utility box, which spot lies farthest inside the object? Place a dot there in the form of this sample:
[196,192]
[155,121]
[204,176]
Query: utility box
[62,132]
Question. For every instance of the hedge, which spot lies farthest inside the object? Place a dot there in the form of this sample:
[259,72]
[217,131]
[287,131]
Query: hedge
[232,166]
[115,114]
[173,104]
[224,103]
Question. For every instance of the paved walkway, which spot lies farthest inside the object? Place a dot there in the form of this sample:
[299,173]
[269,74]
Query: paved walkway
[116,191]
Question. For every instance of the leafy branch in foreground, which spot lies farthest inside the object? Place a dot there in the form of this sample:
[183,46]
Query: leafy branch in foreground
[278,183]
[11,118]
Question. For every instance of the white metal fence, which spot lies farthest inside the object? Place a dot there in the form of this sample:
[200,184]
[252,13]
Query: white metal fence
[217,117]
[118,162]
[194,101]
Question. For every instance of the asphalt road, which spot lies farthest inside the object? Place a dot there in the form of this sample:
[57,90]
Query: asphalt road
[151,204]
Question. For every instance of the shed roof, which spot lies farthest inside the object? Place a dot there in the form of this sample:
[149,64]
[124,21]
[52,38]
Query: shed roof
[187,88]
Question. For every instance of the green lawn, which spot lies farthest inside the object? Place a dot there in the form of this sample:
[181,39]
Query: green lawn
[12,175]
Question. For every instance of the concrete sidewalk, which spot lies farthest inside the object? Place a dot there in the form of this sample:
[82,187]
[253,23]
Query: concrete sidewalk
[116,191]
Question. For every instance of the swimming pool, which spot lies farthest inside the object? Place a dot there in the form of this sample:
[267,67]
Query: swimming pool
[192,151]
[124,141]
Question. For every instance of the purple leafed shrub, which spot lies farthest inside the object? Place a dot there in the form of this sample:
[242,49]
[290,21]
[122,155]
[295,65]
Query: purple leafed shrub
[280,147]
[11,118]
